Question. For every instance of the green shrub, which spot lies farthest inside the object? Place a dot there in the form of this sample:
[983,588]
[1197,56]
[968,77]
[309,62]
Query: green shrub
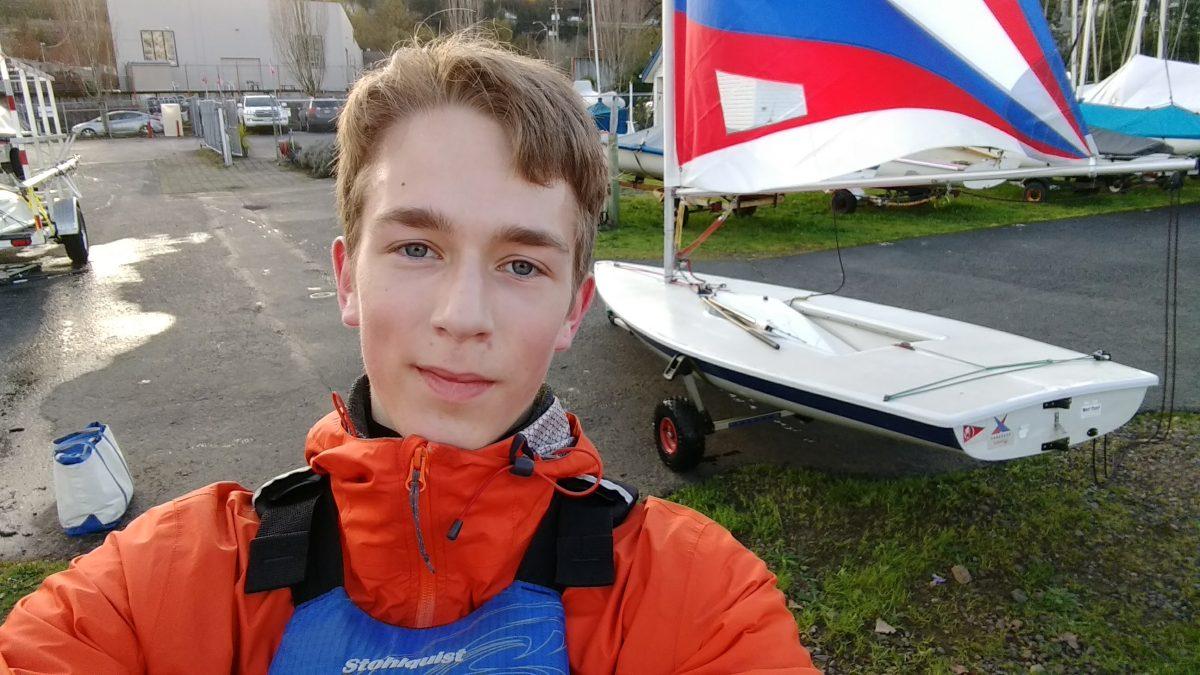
[319,158]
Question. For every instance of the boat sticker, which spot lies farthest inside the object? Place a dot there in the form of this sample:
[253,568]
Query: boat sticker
[1090,409]
[970,431]
[1001,435]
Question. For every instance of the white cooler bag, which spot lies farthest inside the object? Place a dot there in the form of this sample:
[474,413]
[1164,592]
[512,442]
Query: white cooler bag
[91,481]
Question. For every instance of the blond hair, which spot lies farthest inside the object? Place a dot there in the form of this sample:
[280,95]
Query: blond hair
[552,135]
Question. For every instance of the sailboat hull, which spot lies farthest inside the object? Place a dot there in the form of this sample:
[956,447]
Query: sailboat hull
[890,371]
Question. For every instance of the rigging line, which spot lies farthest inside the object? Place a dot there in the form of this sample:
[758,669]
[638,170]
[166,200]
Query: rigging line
[841,266]
[1166,408]
[739,321]
[716,225]
[989,371]
[1174,317]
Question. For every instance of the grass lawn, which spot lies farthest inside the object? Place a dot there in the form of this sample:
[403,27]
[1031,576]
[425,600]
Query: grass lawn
[803,222]
[1065,574]
[18,579]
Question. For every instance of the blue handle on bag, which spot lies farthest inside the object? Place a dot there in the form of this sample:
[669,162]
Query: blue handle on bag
[74,453]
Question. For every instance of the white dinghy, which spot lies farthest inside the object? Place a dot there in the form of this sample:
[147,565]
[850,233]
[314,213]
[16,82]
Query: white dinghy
[765,96]
[905,374]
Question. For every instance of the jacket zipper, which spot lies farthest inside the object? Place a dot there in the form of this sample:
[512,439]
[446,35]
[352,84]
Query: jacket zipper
[416,485]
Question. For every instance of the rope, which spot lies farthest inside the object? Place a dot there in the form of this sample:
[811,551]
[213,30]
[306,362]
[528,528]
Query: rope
[1166,408]
[985,372]
[841,267]
[716,225]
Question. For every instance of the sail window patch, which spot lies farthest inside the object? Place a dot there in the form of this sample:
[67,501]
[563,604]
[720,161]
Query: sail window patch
[749,103]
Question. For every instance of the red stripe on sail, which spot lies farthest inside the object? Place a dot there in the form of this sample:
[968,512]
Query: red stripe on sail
[838,80]
[1012,20]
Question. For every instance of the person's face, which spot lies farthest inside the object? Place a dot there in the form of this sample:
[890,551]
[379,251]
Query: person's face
[461,283]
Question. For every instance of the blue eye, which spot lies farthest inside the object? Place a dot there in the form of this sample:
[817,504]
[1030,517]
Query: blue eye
[415,250]
[522,268]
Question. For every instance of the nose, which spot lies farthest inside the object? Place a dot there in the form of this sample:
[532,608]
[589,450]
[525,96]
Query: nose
[462,312]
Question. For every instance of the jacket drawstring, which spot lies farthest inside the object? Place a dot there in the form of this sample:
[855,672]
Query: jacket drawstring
[416,483]
[521,462]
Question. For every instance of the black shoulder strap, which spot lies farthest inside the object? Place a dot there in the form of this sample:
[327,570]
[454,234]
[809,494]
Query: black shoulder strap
[573,544]
[298,544]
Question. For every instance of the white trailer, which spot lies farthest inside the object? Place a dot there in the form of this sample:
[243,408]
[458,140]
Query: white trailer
[39,203]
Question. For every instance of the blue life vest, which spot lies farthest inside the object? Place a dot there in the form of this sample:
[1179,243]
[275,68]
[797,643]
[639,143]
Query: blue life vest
[520,630]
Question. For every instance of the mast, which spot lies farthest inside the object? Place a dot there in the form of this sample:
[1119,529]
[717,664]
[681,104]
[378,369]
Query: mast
[1075,42]
[1089,27]
[1162,29]
[670,167]
[1135,45]
[596,45]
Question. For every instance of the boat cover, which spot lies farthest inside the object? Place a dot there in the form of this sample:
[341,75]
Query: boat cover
[1118,145]
[1147,82]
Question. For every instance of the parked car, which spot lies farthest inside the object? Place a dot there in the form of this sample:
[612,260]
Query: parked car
[258,110]
[321,113]
[120,123]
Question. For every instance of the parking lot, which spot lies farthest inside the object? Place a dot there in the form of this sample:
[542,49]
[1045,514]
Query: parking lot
[205,331]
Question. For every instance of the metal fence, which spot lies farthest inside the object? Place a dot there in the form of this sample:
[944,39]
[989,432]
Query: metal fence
[216,124]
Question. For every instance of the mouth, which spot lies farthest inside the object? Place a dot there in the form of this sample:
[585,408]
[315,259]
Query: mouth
[454,387]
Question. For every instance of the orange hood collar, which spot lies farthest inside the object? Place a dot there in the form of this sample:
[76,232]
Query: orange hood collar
[372,482]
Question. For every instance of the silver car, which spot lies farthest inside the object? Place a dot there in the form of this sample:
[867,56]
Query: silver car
[120,123]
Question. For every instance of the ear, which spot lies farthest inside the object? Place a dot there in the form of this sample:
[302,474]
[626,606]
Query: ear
[574,319]
[343,272]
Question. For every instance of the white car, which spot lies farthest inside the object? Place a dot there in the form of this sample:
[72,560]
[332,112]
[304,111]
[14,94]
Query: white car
[262,111]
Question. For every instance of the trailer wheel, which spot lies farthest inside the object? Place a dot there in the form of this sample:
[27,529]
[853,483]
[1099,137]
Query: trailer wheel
[1173,181]
[745,211]
[1116,184]
[1035,190]
[844,202]
[679,430]
[77,244]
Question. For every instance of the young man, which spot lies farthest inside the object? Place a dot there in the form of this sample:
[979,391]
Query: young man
[454,516]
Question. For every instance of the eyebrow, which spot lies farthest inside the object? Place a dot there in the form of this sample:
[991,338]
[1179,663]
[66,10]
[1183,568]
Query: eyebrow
[422,218]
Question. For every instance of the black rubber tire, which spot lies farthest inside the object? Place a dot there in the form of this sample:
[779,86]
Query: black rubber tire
[1116,184]
[679,430]
[88,133]
[745,211]
[1035,190]
[77,244]
[144,132]
[1173,181]
[843,202]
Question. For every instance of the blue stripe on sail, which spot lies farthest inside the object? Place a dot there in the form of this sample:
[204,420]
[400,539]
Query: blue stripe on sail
[1041,30]
[894,423]
[874,25]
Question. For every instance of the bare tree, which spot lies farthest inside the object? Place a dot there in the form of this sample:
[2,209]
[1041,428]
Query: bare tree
[621,24]
[298,29]
[87,40]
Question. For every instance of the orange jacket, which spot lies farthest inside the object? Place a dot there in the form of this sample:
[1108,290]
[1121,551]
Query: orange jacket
[165,594]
